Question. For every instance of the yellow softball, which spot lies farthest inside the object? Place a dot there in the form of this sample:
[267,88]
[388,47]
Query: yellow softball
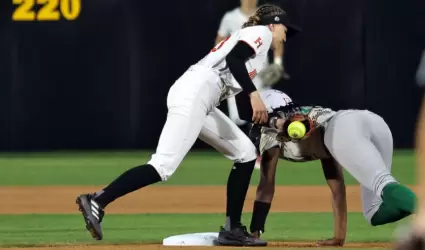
[296,130]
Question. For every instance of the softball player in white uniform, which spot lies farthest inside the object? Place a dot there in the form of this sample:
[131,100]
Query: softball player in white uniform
[359,141]
[192,113]
[230,23]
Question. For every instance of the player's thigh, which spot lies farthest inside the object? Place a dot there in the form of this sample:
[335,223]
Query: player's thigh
[186,116]
[370,202]
[223,135]
[343,138]
[194,87]
[348,140]
[381,137]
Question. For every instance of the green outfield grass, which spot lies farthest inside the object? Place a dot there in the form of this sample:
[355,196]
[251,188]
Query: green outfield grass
[199,168]
[30,230]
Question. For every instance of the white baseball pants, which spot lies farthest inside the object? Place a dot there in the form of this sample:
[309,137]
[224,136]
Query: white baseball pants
[192,113]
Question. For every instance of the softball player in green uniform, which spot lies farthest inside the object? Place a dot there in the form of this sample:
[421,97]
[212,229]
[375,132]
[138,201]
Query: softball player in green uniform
[357,140]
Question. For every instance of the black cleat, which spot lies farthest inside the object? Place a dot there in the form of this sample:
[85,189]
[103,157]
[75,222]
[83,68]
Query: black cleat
[238,237]
[92,213]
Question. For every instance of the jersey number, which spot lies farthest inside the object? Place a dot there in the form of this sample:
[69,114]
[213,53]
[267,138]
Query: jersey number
[220,44]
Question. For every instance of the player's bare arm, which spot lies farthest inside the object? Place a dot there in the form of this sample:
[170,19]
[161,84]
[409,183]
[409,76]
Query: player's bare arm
[265,190]
[277,54]
[335,179]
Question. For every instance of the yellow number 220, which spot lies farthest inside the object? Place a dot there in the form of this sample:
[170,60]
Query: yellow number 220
[69,9]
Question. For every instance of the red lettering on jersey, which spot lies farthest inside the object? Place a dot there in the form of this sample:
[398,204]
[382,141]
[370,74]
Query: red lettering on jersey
[259,42]
[220,44]
[252,74]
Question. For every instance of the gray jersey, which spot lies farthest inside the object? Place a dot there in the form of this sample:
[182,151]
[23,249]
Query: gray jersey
[311,148]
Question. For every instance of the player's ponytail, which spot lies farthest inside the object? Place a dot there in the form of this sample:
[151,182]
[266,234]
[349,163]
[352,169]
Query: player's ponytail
[252,21]
[264,11]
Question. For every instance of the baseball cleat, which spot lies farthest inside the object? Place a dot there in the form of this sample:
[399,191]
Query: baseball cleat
[92,213]
[238,237]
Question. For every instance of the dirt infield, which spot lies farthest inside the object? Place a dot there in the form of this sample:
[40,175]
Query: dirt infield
[274,245]
[173,199]
[169,199]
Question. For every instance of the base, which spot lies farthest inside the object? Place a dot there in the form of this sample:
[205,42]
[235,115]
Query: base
[193,239]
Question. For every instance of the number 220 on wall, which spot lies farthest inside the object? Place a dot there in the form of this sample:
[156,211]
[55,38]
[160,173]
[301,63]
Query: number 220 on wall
[49,11]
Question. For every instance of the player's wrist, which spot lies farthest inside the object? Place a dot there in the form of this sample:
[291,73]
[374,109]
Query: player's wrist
[340,236]
[254,93]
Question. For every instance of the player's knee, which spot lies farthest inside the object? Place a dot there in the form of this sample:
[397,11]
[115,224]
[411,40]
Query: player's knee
[368,217]
[164,173]
[247,152]
[165,169]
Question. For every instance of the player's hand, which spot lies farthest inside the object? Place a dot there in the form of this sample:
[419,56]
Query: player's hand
[331,242]
[259,110]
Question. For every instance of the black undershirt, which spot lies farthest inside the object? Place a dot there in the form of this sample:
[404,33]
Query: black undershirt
[236,60]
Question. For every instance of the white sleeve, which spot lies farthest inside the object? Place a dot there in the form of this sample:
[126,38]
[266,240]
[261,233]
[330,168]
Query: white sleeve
[224,29]
[258,37]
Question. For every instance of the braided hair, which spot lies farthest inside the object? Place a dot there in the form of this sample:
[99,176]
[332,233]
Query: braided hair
[265,10]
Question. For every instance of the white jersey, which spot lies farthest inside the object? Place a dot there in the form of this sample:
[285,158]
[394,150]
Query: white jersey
[311,148]
[258,37]
[231,22]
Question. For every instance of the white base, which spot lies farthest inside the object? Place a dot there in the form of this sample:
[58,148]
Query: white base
[193,239]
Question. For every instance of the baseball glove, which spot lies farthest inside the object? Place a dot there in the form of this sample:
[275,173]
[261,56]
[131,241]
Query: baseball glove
[271,74]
